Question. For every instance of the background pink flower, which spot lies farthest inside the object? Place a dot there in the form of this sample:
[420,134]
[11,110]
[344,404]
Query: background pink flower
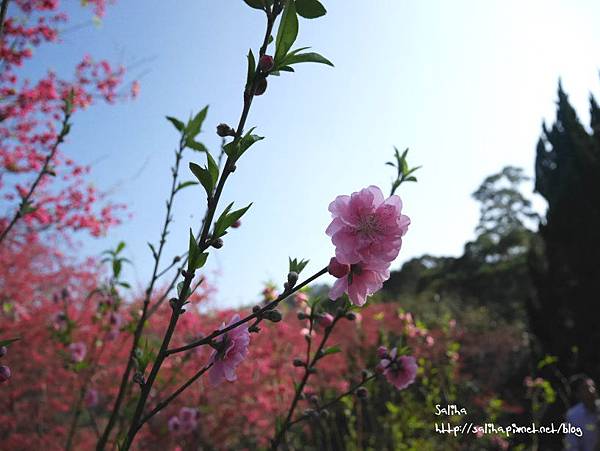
[399,371]
[234,349]
[367,227]
[78,351]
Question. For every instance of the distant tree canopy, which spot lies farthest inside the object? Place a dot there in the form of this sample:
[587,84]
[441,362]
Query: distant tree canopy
[565,267]
[492,271]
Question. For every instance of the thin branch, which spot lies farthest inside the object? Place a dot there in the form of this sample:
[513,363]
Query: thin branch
[25,201]
[270,306]
[161,405]
[142,320]
[203,244]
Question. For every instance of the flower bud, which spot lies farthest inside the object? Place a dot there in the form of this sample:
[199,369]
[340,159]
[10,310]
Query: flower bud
[382,352]
[273,316]
[217,244]
[298,363]
[292,278]
[325,413]
[326,320]
[256,309]
[4,373]
[224,130]
[261,87]
[362,392]
[337,269]
[236,224]
[314,399]
[266,63]
[350,316]
[301,316]
[3,351]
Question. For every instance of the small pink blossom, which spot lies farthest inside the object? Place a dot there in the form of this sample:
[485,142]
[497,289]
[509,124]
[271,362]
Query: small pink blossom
[78,351]
[364,280]
[382,352]
[326,320]
[174,425]
[366,227]
[301,297]
[337,269]
[233,349]
[399,371]
[5,373]
[91,398]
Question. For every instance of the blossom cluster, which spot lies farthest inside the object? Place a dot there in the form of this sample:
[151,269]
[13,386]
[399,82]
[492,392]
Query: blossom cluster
[367,232]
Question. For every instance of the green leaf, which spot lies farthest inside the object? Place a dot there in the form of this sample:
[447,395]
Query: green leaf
[8,342]
[412,178]
[196,259]
[231,149]
[195,125]
[177,123]
[227,219]
[183,185]
[204,177]
[286,69]
[195,145]
[256,4]
[120,247]
[310,57]
[247,140]
[213,169]
[287,32]
[332,350]
[310,9]
[116,265]
[180,288]
[152,249]
[251,68]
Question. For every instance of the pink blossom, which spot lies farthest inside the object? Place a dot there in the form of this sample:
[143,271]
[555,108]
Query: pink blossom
[363,280]
[366,227]
[337,269]
[301,297]
[233,349]
[5,373]
[174,425]
[188,419]
[382,352]
[91,398]
[399,371]
[326,320]
[78,351]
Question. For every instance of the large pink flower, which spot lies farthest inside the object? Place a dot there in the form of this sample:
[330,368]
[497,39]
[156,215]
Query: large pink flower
[233,349]
[366,227]
[399,371]
[363,280]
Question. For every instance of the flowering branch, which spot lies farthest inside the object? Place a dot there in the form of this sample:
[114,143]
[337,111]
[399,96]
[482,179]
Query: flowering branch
[202,244]
[157,254]
[309,368]
[161,405]
[25,205]
[258,314]
[328,404]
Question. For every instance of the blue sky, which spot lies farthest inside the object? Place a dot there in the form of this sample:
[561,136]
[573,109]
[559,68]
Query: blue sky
[464,84]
